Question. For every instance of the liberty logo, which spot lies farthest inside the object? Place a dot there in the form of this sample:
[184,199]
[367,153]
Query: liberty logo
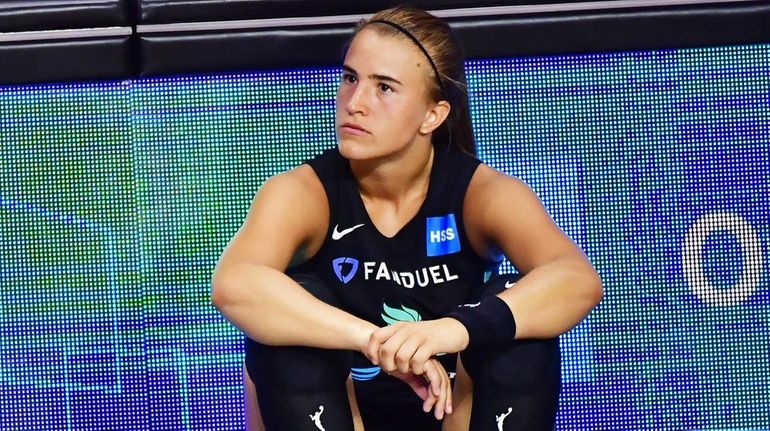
[501,418]
[395,315]
[337,266]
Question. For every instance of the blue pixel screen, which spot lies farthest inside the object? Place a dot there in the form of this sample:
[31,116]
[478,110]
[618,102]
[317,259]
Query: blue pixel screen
[117,198]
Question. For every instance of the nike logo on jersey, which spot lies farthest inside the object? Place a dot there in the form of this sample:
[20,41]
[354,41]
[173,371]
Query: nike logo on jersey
[337,234]
[509,284]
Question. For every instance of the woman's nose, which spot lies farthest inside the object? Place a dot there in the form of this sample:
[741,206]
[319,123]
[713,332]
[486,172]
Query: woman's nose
[357,100]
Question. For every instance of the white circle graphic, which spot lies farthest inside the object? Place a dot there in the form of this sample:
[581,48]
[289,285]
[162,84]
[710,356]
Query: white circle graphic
[692,259]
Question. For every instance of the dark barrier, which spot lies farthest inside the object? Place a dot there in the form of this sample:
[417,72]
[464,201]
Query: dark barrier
[64,40]
[195,48]
[171,11]
[32,15]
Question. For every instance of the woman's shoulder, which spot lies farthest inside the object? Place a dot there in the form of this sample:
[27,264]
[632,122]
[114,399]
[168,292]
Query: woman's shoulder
[487,179]
[300,183]
[291,207]
[491,189]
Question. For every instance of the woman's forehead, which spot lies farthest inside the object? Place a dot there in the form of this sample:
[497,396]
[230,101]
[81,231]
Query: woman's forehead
[372,53]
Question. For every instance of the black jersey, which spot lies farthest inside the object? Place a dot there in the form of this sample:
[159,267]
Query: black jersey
[421,273]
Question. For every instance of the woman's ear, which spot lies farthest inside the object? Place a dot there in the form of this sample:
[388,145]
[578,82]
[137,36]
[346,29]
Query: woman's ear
[436,115]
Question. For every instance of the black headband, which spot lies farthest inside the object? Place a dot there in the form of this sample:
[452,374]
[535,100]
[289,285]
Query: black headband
[416,42]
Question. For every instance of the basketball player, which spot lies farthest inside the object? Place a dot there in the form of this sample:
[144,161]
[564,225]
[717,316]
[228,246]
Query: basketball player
[373,262]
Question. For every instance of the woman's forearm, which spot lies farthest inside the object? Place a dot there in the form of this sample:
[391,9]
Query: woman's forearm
[553,298]
[271,308]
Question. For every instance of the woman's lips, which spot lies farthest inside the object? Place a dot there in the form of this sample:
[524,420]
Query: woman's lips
[352,129]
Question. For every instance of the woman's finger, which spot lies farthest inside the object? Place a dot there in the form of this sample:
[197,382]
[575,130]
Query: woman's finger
[441,402]
[449,396]
[376,339]
[419,358]
[403,357]
[433,375]
[387,351]
[433,379]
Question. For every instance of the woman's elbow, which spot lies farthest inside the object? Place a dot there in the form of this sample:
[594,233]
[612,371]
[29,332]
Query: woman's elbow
[586,282]
[595,287]
[222,290]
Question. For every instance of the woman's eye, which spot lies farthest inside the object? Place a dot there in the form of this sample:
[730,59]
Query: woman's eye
[348,78]
[385,88]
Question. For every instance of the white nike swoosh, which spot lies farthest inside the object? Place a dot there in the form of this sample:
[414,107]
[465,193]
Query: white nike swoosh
[339,234]
[509,284]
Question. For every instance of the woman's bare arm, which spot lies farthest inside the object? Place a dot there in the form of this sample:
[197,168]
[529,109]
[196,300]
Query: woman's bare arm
[287,222]
[560,286]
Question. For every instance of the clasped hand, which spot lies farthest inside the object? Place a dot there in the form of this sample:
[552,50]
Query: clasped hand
[407,350]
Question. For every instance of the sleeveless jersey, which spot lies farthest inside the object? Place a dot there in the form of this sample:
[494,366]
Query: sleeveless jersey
[424,271]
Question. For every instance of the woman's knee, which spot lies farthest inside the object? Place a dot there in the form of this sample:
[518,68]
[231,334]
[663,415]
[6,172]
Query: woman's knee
[520,365]
[298,367]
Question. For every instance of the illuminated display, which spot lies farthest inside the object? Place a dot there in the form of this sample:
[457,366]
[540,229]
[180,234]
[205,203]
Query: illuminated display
[117,198]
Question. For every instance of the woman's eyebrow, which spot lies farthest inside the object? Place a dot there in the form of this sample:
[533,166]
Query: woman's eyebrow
[387,78]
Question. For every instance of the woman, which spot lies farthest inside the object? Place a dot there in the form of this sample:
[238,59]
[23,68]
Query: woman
[376,256]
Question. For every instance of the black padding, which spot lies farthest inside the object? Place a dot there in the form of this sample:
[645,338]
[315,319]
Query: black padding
[69,60]
[241,51]
[617,30]
[33,15]
[219,51]
[168,11]
[481,38]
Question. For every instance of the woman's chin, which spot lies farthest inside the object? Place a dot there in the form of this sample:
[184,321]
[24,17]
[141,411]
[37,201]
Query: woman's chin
[353,150]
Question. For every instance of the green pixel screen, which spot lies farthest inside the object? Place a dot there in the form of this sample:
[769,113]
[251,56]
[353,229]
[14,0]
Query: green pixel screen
[116,199]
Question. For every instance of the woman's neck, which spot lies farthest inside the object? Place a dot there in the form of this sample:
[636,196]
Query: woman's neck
[402,176]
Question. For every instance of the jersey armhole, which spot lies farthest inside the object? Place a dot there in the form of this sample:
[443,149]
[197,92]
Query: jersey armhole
[499,257]
[311,258]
